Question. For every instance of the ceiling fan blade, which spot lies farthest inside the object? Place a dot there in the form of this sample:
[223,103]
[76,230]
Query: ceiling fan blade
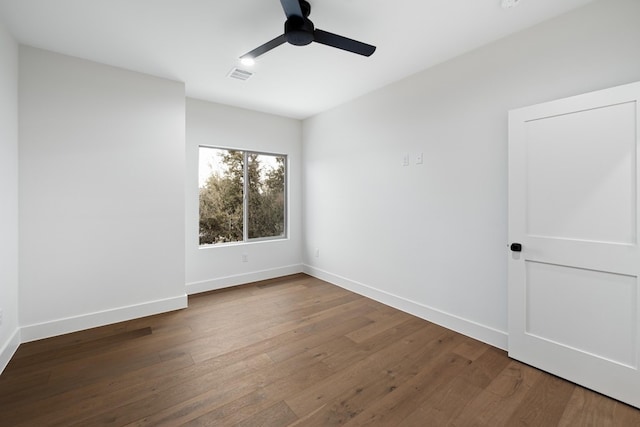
[292,8]
[265,47]
[344,43]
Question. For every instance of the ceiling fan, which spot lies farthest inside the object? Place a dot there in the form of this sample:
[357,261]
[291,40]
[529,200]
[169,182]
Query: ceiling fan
[300,31]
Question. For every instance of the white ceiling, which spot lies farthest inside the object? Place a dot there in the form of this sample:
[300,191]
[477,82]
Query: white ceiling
[199,41]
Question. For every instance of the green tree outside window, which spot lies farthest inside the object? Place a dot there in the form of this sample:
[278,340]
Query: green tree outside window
[226,176]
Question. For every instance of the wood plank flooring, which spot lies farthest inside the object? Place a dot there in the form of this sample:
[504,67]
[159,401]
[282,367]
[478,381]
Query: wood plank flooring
[294,351]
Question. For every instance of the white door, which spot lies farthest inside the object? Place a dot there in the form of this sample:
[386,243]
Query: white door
[573,208]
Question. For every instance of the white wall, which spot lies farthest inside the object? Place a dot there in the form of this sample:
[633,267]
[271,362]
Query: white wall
[432,238]
[101,194]
[215,267]
[9,335]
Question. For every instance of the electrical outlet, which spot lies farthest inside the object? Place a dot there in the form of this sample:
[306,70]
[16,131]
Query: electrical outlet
[317,253]
[245,258]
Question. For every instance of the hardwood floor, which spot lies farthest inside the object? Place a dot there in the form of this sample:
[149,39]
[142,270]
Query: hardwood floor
[294,351]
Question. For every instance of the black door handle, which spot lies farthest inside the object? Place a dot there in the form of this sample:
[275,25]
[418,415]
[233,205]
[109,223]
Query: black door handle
[516,247]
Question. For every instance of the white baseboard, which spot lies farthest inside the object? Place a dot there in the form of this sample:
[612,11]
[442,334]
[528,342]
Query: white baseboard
[466,327]
[102,318]
[8,350]
[241,279]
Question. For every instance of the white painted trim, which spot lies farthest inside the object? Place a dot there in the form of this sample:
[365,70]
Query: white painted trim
[241,279]
[101,318]
[9,349]
[466,327]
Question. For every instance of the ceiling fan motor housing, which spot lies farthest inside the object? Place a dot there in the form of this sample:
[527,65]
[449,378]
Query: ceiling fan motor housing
[298,30]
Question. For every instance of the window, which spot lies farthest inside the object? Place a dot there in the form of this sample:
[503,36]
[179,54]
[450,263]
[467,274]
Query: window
[242,195]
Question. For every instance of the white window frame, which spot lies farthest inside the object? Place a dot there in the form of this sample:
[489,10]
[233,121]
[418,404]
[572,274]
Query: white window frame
[245,198]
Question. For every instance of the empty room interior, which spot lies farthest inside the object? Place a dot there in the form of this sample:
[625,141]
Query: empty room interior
[394,286]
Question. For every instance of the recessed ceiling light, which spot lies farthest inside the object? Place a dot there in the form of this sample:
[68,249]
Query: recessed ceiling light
[248,61]
[506,4]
